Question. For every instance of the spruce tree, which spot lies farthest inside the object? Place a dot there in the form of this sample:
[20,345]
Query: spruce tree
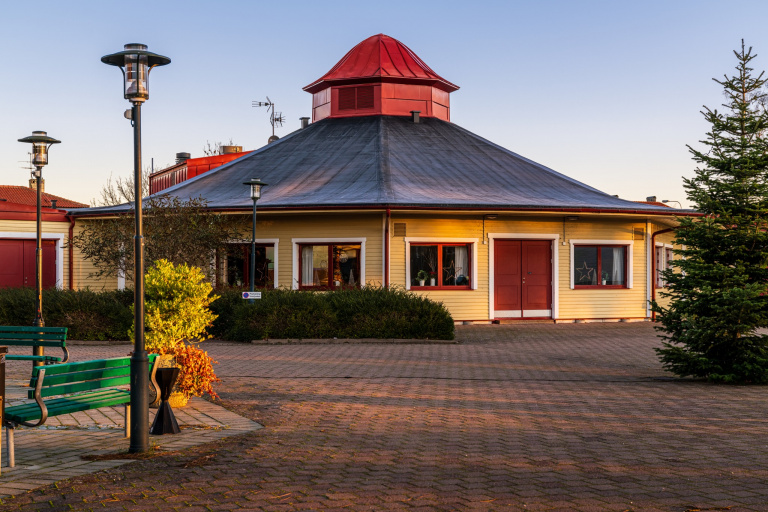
[718,289]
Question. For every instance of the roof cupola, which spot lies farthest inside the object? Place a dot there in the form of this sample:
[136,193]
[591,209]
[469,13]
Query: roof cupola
[380,76]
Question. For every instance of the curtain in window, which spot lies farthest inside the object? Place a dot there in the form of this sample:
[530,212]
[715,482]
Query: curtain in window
[617,275]
[307,267]
[462,262]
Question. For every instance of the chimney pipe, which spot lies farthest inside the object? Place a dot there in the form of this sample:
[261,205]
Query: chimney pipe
[53,203]
[182,157]
[304,122]
[415,116]
[651,199]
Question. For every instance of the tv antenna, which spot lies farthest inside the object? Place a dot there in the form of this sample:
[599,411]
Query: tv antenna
[275,118]
[28,166]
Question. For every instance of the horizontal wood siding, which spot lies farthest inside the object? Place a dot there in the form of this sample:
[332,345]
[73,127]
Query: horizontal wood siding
[285,228]
[83,269]
[463,304]
[573,304]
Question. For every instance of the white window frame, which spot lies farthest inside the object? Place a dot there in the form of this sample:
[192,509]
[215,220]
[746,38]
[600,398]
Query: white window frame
[660,283]
[630,258]
[295,242]
[58,239]
[554,238]
[440,240]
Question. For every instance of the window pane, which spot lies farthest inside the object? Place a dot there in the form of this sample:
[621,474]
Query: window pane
[314,265]
[585,265]
[235,267]
[613,259]
[423,264]
[455,266]
[346,265]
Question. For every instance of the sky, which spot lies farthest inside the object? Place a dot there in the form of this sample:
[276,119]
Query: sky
[606,92]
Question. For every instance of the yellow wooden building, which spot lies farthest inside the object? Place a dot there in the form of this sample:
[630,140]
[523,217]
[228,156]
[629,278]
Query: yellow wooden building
[382,189]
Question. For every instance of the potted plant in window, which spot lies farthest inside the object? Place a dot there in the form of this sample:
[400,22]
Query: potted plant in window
[432,278]
[421,277]
[605,277]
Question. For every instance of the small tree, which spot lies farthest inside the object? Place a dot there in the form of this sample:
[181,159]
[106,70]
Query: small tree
[177,301]
[177,316]
[175,230]
[719,286]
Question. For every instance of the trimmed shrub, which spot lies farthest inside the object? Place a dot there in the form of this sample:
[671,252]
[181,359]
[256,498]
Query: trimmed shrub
[176,299]
[89,315]
[369,312]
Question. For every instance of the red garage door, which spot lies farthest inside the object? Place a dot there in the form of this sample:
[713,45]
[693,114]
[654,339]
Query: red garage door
[522,271]
[17,263]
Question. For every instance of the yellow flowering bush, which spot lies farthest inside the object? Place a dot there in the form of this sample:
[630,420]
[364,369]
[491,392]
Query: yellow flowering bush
[177,301]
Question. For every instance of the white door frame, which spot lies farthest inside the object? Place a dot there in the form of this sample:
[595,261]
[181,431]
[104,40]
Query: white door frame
[524,236]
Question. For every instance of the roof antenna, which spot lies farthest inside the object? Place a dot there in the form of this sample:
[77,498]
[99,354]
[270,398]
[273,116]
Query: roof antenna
[275,118]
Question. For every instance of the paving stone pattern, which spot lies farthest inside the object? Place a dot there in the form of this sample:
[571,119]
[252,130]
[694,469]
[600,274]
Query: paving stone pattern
[515,417]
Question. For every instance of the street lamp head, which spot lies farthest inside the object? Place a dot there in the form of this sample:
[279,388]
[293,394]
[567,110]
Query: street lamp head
[40,143]
[256,186]
[135,62]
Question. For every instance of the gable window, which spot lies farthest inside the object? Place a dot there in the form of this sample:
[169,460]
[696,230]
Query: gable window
[440,265]
[329,266]
[600,266]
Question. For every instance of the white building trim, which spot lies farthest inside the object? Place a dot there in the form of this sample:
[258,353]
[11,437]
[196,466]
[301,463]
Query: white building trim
[525,236]
[630,259]
[440,240]
[320,241]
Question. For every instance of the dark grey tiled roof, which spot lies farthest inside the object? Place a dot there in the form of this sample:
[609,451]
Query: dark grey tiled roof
[382,161]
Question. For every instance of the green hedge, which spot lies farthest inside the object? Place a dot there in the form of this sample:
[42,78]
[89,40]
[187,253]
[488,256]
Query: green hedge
[89,315]
[366,313]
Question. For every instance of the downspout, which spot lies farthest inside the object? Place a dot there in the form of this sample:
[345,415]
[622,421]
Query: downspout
[71,253]
[386,248]
[653,266]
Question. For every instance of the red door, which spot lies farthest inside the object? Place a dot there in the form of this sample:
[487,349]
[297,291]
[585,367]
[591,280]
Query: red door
[18,266]
[522,278]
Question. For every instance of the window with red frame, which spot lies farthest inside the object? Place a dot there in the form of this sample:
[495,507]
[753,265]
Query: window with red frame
[600,266]
[442,266]
[329,266]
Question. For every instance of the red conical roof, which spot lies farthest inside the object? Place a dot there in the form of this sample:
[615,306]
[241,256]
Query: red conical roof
[384,58]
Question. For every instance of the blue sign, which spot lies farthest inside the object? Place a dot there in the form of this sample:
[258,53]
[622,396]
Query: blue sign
[251,295]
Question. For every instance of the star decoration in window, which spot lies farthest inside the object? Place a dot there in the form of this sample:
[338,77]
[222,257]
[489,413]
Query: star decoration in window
[585,273]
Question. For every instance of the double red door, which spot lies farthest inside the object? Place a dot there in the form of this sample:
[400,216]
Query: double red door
[18,263]
[522,278]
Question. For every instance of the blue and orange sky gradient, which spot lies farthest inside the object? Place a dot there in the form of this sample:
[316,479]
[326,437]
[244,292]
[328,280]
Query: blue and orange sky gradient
[606,92]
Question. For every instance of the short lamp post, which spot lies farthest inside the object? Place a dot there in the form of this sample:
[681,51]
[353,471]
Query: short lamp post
[255,186]
[136,62]
[41,142]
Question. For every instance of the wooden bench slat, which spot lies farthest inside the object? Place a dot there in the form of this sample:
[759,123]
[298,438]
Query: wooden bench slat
[33,342]
[68,405]
[98,373]
[66,389]
[18,336]
[84,365]
[21,357]
[15,328]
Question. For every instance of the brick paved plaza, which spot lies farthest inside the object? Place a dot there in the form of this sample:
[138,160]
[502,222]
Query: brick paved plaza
[514,417]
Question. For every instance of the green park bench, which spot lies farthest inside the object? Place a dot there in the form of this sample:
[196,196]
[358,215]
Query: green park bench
[72,387]
[35,337]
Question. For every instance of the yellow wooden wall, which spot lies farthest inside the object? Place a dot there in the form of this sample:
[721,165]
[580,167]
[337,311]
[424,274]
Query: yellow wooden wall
[464,305]
[573,304]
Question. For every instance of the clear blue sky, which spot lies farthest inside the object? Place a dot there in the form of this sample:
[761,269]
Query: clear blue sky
[606,92]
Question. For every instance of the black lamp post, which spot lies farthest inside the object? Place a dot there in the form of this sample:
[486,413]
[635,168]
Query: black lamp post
[136,62]
[40,145]
[256,186]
